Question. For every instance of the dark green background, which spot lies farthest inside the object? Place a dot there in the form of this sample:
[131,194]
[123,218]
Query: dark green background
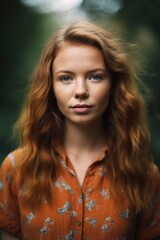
[24,32]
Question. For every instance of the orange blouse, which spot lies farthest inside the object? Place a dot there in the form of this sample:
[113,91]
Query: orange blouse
[77,213]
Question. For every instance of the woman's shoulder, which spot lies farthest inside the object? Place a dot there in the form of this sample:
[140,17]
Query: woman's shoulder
[11,160]
[154,183]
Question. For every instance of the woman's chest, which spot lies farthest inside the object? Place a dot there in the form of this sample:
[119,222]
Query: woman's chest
[88,213]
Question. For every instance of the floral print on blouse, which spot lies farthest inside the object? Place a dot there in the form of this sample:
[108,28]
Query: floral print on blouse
[86,212]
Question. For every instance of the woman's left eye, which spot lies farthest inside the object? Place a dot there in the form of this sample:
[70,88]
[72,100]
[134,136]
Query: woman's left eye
[66,79]
[95,77]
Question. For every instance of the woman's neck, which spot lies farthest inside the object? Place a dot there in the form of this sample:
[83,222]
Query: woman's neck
[84,144]
[84,137]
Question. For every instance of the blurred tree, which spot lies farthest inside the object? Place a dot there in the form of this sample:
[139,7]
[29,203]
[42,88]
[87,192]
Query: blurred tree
[24,34]
[142,21]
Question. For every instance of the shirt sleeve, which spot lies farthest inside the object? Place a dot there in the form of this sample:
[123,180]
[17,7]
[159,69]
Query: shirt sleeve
[9,208]
[149,221]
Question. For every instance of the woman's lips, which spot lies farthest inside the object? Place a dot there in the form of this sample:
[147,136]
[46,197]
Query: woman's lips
[81,108]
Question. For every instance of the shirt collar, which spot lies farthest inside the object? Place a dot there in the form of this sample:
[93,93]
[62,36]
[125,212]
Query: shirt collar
[62,153]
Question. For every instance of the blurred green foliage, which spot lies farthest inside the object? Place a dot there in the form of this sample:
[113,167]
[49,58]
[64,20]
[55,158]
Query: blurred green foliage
[24,32]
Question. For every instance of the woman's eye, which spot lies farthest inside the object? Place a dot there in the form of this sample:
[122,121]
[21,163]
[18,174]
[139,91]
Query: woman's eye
[66,79]
[95,77]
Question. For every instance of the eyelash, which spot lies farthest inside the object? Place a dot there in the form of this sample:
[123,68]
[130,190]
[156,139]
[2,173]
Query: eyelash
[66,78]
[94,77]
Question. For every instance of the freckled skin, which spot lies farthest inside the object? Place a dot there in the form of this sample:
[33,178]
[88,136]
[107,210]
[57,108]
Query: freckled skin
[80,77]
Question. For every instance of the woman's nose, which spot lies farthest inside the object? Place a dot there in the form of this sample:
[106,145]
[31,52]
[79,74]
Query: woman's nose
[81,91]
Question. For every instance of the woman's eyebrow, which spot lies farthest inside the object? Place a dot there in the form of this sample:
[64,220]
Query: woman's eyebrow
[90,71]
[63,71]
[97,70]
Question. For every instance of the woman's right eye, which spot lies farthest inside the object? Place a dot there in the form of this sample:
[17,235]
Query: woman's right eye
[66,79]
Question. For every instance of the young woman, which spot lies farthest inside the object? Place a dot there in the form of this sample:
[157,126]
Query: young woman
[83,169]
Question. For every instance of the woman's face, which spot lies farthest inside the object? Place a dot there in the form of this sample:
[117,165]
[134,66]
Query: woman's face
[81,83]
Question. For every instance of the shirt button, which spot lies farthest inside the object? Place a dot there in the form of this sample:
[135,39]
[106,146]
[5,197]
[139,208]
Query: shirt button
[78,223]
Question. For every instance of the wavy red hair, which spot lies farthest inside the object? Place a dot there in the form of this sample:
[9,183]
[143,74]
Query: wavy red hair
[41,123]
